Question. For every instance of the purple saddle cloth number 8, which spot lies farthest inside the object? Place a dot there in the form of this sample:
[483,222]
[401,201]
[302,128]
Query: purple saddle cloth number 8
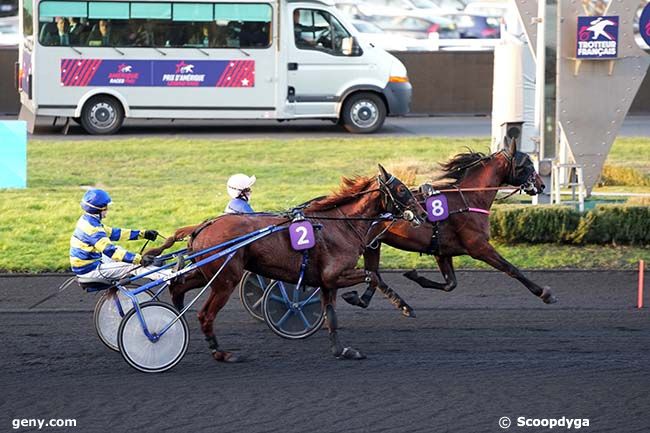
[437,208]
[302,235]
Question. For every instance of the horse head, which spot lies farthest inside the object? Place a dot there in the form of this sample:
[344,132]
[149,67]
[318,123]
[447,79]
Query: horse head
[398,199]
[521,172]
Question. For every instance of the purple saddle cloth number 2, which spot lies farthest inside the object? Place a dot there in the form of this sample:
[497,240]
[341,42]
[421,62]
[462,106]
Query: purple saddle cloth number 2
[437,208]
[302,235]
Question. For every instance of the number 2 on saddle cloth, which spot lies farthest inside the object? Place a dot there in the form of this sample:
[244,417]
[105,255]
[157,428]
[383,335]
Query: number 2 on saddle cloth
[301,233]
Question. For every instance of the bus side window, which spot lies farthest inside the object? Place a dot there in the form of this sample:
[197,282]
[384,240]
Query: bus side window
[48,30]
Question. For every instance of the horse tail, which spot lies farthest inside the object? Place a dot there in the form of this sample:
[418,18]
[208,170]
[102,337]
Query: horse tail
[178,235]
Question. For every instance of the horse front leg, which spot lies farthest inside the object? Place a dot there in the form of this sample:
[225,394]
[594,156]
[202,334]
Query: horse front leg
[328,297]
[371,264]
[333,278]
[446,266]
[489,255]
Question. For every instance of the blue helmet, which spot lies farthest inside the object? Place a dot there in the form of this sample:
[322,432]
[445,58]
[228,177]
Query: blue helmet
[95,201]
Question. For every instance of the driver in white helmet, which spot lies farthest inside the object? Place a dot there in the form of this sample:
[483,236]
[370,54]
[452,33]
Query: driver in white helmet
[239,189]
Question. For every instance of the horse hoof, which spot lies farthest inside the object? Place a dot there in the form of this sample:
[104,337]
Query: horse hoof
[350,353]
[228,357]
[411,275]
[408,311]
[547,296]
[352,298]
[550,300]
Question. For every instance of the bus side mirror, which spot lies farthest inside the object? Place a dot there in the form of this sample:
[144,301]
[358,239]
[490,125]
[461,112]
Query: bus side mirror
[350,47]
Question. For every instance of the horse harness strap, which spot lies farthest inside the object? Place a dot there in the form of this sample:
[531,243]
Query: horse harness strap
[467,207]
[434,244]
[374,243]
[353,228]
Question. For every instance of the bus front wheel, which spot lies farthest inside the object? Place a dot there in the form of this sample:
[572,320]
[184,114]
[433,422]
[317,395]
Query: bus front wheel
[102,115]
[363,113]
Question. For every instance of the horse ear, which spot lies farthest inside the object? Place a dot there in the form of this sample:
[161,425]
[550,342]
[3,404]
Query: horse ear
[511,145]
[382,171]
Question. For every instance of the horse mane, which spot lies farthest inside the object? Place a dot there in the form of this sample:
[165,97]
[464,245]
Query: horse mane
[348,191]
[453,171]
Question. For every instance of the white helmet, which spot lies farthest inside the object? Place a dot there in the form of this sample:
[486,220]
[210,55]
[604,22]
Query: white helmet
[239,183]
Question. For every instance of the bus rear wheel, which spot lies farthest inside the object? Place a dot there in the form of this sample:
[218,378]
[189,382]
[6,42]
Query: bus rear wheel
[363,113]
[102,115]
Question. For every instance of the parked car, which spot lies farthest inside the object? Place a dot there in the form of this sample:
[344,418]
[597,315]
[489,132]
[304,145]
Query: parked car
[367,10]
[489,9]
[9,34]
[418,27]
[350,9]
[370,33]
[448,5]
[8,8]
[476,26]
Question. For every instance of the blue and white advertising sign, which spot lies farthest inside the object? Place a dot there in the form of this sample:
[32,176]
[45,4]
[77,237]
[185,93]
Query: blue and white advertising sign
[597,38]
[13,154]
[644,24]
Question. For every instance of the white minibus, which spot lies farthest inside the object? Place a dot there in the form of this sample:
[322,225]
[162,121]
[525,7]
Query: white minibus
[99,62]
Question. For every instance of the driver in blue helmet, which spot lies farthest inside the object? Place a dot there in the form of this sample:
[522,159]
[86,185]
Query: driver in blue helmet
[92,252]
[239,189]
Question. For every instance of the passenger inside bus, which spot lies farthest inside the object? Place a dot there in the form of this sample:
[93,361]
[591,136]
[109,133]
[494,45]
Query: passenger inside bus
[141,34]
[202,36]
[254,34]
[57,34]
[102,35]
[77,31]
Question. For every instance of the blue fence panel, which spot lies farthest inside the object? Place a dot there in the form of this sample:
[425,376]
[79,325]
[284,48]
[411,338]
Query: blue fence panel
[13,154]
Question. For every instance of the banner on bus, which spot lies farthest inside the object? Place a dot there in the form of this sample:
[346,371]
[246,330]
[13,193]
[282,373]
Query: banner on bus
[158,73]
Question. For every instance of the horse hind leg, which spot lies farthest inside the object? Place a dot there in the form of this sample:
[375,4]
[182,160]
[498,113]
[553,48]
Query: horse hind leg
[215,302]
[184,284]
[446,266]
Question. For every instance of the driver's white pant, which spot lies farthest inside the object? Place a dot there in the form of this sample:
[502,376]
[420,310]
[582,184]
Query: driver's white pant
[111,270]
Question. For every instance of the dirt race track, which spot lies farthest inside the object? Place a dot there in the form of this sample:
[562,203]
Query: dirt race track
[487,350]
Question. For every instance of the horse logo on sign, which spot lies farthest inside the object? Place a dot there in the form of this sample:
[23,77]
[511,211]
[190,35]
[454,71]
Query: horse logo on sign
[597,37]
[302,235]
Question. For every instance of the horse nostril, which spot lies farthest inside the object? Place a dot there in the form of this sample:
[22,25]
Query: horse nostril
[542,186]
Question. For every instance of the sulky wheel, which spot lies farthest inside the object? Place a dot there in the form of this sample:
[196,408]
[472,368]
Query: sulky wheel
[111,307]
[153,356]
[251,291]
[291,312]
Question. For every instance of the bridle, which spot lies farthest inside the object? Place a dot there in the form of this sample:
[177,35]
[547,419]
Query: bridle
[514,161]
[393,204]
[511,178]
